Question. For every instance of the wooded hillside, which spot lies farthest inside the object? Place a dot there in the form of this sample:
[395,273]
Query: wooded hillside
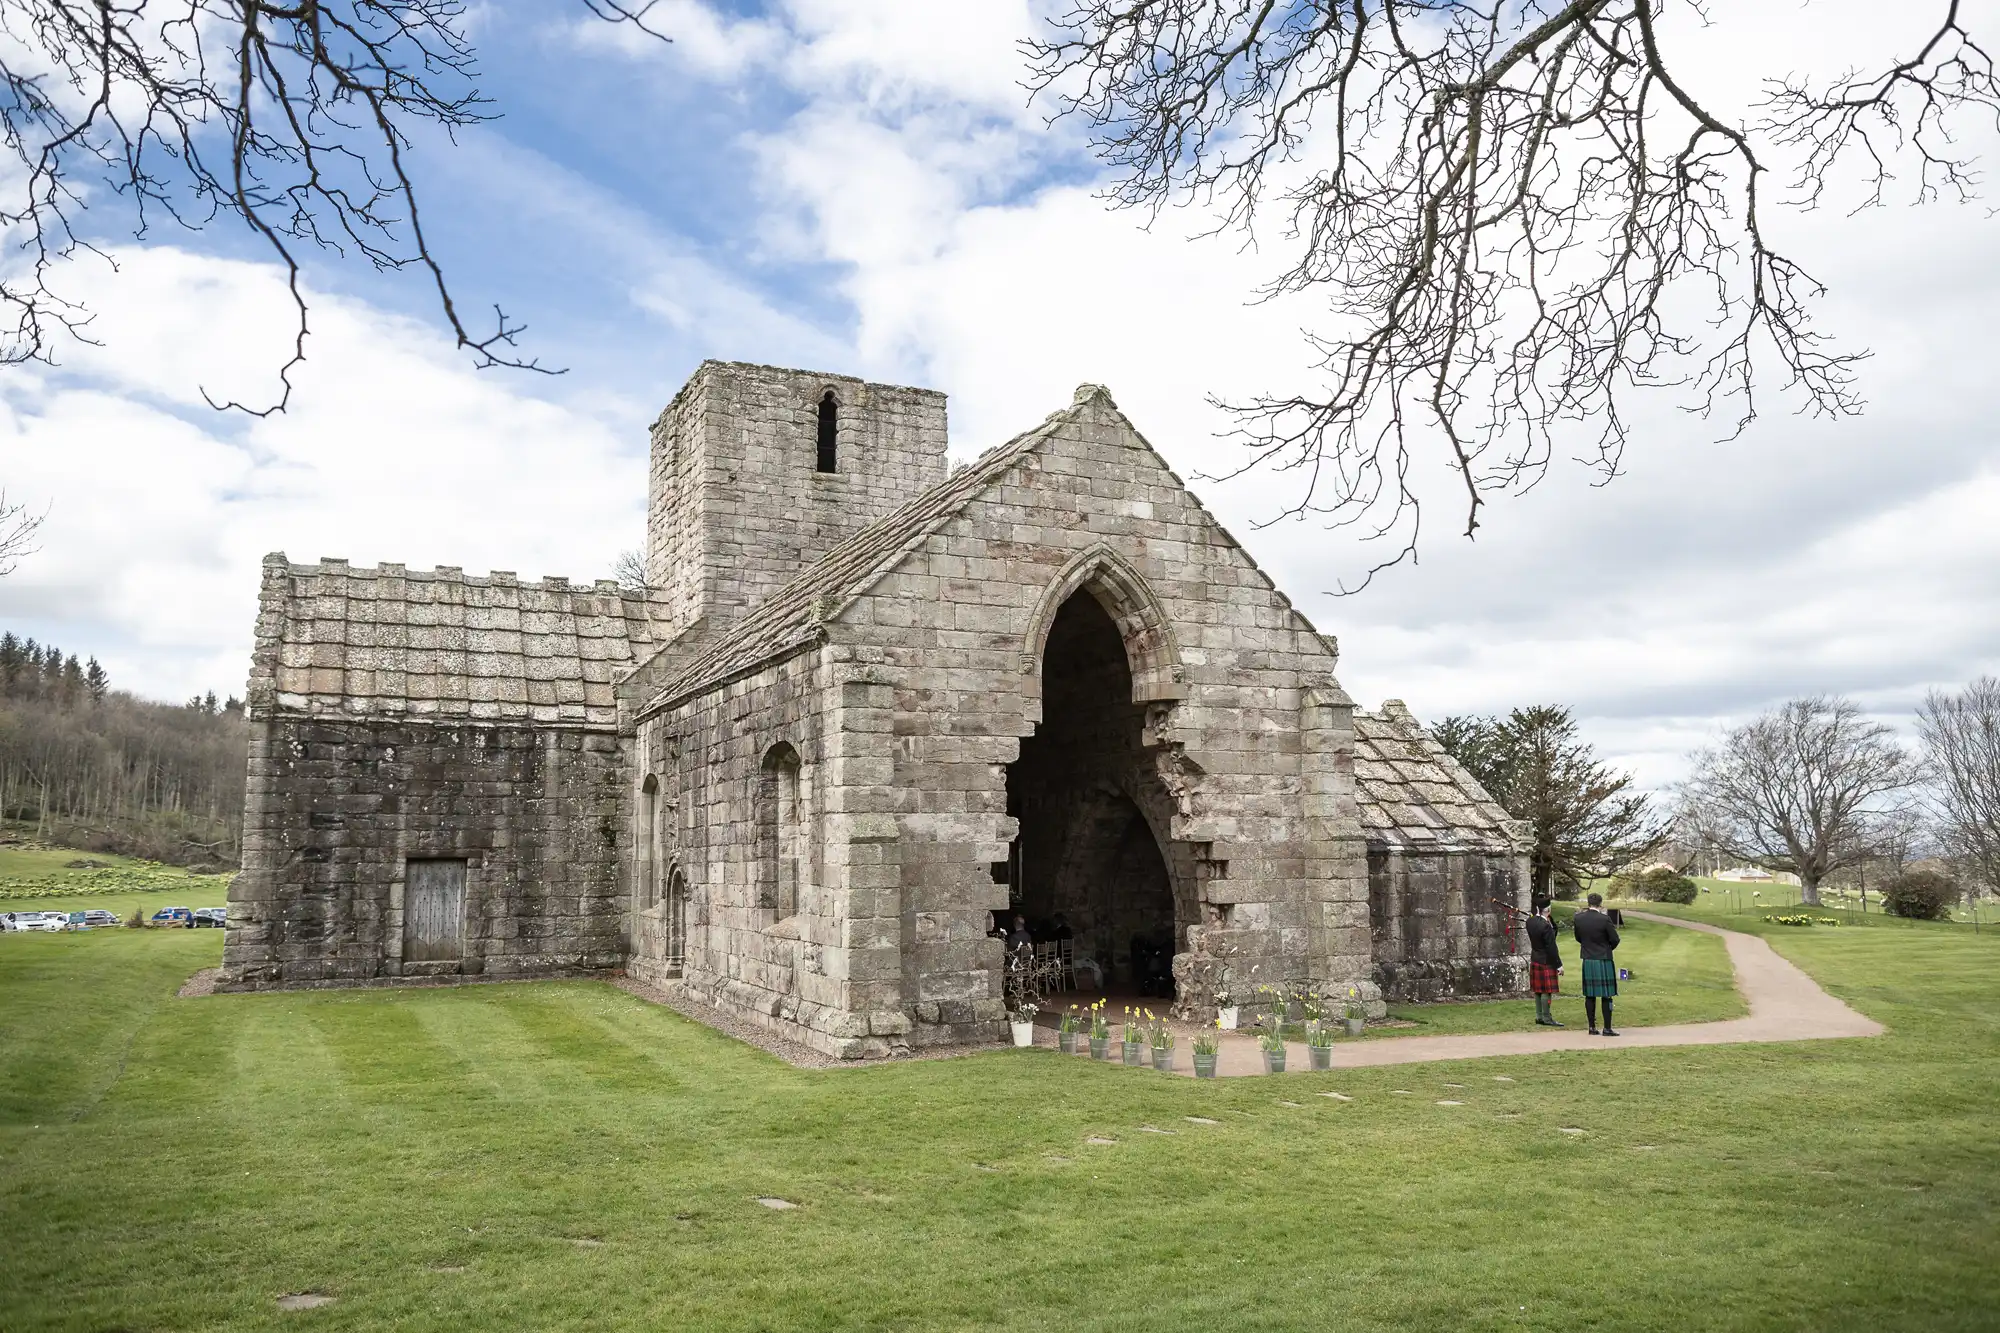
[90,766]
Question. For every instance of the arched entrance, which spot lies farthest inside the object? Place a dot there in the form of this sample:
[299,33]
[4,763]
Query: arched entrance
[1087,860]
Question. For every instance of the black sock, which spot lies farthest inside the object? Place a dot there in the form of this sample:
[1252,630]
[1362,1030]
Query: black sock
[1607,1011]
[1590,1009]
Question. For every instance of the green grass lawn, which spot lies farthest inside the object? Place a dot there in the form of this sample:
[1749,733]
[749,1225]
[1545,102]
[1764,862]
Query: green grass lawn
[42,879]
[563,1155]
[1678,976]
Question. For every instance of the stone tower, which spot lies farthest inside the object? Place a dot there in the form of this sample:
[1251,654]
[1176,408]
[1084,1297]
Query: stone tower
[757,472]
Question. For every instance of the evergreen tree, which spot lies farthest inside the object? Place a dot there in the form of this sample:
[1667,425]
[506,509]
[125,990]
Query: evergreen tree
[1582,815]
[97,681]
[12,656]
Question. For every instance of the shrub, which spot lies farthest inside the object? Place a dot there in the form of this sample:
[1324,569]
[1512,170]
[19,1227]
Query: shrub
[1662,884]
[1920,895]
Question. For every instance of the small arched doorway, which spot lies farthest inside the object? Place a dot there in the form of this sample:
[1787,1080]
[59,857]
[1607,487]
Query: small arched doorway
[1087,862]
[674,953]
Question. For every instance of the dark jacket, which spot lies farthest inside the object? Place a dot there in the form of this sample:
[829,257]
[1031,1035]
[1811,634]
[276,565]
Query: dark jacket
[1596,937]
[1542,942]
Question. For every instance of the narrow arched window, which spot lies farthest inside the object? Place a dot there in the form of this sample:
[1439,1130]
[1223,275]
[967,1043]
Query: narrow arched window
[780,830]
[649,842]
[829,433]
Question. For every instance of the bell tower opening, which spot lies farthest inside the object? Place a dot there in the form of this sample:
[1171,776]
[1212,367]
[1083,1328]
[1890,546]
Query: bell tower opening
[1087,864]
[829,433]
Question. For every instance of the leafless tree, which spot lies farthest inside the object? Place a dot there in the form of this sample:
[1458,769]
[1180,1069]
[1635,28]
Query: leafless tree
[293,117]
[18,526]
[630,570]
[1961,737]
[1798,788]
[1516,209]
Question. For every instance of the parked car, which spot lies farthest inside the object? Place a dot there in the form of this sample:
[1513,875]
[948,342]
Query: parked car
[173,916]
[97,916]
[210,916]
[41,920]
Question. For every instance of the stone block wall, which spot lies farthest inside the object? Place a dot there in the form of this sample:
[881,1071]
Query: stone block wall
[798,972]
[1243,719]
[1440,929]
[336,808]
[737,506]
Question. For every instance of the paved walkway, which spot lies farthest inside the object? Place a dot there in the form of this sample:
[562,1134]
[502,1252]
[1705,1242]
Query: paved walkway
[1785,1005]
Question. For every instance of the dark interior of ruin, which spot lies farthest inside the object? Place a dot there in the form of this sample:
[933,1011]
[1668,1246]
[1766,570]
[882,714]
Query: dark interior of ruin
[1086,859]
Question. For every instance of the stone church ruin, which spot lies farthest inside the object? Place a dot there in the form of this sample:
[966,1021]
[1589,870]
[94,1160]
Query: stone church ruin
[865,702]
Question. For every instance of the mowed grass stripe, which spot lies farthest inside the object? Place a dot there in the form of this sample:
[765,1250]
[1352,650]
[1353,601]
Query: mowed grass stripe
[1384,1210]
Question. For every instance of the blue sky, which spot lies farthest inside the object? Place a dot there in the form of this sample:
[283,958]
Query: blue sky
[856,185]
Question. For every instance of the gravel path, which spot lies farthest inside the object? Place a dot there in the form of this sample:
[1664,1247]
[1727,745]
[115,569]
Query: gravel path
[1785,1005]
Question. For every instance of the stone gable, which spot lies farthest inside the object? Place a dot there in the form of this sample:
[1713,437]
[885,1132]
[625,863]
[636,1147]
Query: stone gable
[869,710]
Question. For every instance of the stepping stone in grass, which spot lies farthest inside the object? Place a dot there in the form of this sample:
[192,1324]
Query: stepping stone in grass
[1567,1129]
[1399,1092]
[447,1268]
[304,1300]
[1100,1141]
[1502,1078]
[775,1204]
[984,1166]
[1296,1106]
[1337,1096]
[1454,1085]
[1645,1147]
[1451,1103]
[1148,1129]
[1200,1120]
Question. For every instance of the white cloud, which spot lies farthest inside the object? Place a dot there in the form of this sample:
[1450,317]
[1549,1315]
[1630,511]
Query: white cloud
[1713,580]
[716,46]
[394,449]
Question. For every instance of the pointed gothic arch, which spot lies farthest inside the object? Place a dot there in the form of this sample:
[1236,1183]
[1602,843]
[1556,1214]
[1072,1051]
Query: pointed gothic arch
[1129,600]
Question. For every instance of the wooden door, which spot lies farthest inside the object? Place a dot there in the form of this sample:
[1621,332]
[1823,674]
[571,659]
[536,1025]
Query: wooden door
[433,911]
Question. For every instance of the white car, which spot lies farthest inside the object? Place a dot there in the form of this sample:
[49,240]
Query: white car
[41,920]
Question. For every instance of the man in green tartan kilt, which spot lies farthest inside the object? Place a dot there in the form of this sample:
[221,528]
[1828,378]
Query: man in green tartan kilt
[1597,940]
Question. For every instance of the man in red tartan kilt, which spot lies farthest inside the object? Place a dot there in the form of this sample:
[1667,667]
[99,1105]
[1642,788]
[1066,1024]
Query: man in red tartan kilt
[1545,964]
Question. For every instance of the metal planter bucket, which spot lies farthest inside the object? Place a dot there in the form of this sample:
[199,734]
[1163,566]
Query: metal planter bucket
[1322,1057]
[1354,1025]
[1066,1042]
[1204,1066]
[1135,1054]
[1100,1048]
[1274,1062]
[1163,1059]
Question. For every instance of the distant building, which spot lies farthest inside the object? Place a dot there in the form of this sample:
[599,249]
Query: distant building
[1757,875]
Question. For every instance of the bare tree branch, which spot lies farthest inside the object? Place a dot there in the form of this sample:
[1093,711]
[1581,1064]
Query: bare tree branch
[294,116]
[1516,211]
[18,527]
